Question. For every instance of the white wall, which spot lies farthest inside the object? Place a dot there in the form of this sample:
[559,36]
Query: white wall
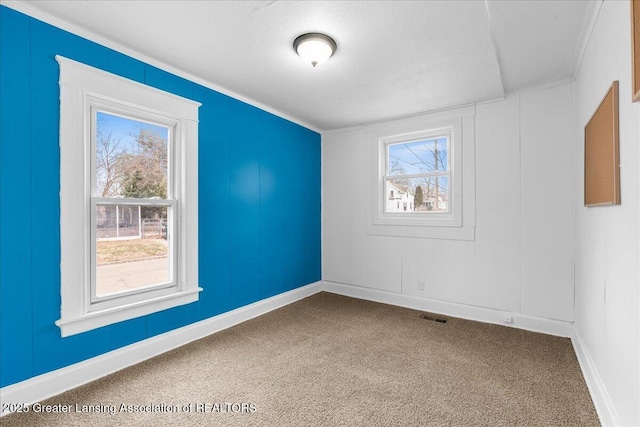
[521,259]
[607,257]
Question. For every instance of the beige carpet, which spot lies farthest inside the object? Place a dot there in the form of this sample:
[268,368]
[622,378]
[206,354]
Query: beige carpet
[330,360]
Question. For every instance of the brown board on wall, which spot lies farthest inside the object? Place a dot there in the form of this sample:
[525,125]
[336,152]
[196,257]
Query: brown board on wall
[602,153]
[635,49]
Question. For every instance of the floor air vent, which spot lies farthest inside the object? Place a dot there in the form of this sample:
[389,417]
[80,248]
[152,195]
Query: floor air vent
[432,318]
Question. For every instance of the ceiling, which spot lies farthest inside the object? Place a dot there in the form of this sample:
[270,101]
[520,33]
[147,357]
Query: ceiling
[394,58]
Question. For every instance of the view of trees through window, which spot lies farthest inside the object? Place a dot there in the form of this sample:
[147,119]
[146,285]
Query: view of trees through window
[131,162]
[131,158]
[417,178]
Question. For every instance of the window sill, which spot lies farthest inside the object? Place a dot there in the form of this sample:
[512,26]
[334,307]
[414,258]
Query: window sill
[96,319]
[419,220]
[440,226]
[422,232]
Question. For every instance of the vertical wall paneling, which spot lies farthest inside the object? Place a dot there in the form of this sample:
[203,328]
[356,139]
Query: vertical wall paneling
[244,201]
[15,203]
[277,191]
[335,206]
[498,204]
[311,261]
[302,187]
[419,264]
[49,350]
[214,214]
[547,231]
[455,274]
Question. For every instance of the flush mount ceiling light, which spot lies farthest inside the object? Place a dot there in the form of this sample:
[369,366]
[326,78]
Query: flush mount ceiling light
[315,48]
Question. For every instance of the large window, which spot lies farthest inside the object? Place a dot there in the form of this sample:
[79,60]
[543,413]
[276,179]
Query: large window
[422,176]
[128,198]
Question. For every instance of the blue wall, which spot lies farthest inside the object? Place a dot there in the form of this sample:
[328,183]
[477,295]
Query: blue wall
[259,202]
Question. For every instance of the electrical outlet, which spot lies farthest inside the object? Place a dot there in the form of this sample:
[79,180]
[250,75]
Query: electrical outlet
[507,318]
[421,285]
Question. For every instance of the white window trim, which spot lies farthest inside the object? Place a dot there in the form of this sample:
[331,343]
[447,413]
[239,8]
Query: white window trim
[82,87]
[459,222]
[453,218]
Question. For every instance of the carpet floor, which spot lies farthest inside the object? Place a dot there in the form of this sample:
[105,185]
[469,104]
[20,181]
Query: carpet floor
[330,360]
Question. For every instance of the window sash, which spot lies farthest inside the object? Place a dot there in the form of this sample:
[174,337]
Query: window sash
[100,302]
[417,175]
[95,105]
[429,136]
[130,201]
[93,301]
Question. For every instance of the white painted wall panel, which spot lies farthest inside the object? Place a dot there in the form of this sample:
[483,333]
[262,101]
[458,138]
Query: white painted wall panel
[383,263]
[546,186]
[607,255]
[498,205]
[590,284]
[419,262]
[456,271]
[334,232]
[349,254]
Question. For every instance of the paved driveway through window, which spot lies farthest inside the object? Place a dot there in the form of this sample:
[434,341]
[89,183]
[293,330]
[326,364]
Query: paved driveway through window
[131,275]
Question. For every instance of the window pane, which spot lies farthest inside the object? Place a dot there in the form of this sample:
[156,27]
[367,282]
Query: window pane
[117,221]
[418,157]
[398,196]
[425,194]
[131,157]
[436,194]
[131,248]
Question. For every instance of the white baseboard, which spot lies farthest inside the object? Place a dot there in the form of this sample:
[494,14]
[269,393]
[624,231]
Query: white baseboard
[52,383]
[469,312]
[601,399]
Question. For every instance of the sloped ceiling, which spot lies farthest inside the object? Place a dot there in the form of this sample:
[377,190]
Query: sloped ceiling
[394,58]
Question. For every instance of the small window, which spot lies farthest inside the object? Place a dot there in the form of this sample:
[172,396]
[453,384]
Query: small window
[427,162]
[128,199]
